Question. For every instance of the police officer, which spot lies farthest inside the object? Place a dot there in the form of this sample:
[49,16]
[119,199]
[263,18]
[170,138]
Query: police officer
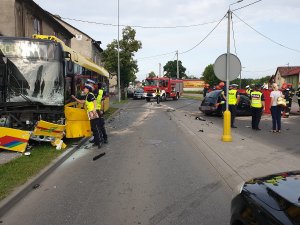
[257,106]
[233,100]
[248,90]
[99,93]
[90,102]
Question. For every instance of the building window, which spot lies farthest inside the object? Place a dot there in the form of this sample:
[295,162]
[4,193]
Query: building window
[36,26]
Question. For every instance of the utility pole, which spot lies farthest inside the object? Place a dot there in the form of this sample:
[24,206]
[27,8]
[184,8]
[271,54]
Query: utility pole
[227,114]
[159,72]
[119,73]
[177,65]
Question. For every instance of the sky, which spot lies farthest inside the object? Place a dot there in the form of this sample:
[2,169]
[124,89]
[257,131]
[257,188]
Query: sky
[276,21]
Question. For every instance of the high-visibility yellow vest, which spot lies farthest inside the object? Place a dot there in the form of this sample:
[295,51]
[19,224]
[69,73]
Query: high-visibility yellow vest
[256,99]
[89,105]
[232,99]
[99,99]
[248,91]
[157,92]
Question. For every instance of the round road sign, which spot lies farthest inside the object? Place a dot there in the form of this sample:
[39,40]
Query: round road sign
[234,67]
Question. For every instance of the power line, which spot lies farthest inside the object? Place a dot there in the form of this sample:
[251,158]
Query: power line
[139,26]
[275,42]
[258,71]
[246,5]
[204,37]
[233,35]
[154,56]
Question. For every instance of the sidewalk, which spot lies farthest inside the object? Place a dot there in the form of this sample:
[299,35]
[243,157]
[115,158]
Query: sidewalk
[236,161]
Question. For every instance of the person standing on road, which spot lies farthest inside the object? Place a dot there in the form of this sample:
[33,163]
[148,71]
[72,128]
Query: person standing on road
[275,108]
[233,100]
[205,90]
[223,96]
[157,93]
[257,106]
[298,96]
[90,102]
[248,90]
[99,93]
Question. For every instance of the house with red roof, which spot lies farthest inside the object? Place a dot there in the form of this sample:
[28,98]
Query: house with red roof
[287,74]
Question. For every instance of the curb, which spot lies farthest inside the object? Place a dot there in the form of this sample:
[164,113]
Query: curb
[7,203]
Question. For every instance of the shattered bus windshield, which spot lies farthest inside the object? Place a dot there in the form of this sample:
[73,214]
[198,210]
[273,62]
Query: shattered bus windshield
[31,71]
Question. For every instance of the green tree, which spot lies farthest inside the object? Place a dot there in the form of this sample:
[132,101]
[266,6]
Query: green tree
[171,69]
[151,74]
[209,76]
[128,66]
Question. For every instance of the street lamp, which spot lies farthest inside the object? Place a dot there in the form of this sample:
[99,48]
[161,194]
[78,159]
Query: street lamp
[241,77]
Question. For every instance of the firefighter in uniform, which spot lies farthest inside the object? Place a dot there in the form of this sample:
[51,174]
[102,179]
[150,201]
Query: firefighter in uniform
[90,102]
[223,96]
[99,108]
[257,106]
[288,95]
[298,96]
[157,94]
[233,100]
[205,89]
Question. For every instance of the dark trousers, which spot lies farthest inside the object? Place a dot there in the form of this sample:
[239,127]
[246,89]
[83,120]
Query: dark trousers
[276,117]
[102,125]
[96,131]
[232,109]
[299,102]
[256,116]
[157,99]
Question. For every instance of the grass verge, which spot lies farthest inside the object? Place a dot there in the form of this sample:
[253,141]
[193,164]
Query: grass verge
[18,171]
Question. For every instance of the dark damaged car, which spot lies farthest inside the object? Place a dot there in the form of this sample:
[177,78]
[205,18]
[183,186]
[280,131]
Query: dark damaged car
[269,200]
[212,104]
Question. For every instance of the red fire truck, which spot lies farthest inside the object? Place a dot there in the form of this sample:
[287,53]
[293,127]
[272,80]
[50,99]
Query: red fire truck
[169,88]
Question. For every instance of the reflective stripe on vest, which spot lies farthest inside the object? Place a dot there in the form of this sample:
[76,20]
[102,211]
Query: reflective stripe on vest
[232,99]
[256,99]
[248,91]
[89,105]
[99,99]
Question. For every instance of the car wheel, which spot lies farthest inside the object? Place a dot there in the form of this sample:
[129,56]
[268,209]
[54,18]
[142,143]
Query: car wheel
[148,99]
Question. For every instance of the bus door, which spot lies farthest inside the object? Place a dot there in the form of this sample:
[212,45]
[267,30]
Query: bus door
[3,77]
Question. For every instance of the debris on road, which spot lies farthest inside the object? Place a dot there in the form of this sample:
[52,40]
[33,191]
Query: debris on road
[36,186]
[200,118]
[98,156]
[201,130]
[27,153]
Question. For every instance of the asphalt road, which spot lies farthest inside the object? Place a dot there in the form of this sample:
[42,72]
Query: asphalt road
[151,174]
[287,141]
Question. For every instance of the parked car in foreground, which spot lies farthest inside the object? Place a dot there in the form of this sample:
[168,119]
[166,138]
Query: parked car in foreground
[138,94]
[211,104]
[269,200]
